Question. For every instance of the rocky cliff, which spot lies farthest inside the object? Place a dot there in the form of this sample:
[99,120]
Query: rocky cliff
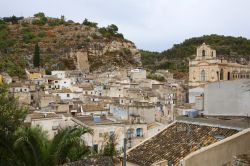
[61,46]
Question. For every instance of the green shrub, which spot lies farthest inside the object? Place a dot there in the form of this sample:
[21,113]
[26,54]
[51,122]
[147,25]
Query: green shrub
[89,23]
[41,34]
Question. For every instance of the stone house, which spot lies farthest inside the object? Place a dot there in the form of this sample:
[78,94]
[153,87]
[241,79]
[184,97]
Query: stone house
[60,74]
[94,109]
[49,121]
[138,111]
[137,74]
[64,94]
[103,127]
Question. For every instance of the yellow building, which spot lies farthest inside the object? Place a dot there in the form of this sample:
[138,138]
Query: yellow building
[206,67]
[32,76]
[1,79]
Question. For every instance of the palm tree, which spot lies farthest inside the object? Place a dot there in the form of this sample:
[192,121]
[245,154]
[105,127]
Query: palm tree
[34,149]
[31,146]
[66,141]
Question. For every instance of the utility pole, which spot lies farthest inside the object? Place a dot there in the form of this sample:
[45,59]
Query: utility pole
[124,153]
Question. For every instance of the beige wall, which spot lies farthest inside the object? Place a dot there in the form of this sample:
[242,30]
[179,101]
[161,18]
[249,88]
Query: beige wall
[221,152]
[23,97]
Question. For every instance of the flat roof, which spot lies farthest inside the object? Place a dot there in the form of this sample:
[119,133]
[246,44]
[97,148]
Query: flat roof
[89,120]
[239,123]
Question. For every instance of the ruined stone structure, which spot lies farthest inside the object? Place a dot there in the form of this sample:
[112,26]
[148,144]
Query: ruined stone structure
[207,68]
[82,62]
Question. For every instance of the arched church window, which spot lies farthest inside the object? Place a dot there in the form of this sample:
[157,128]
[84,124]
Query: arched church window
[221,74]
[203,75]
[203,54]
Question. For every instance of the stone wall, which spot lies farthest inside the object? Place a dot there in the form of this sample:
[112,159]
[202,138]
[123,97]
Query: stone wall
[82,61]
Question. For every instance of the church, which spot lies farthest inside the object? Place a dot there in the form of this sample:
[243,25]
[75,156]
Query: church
[206,68]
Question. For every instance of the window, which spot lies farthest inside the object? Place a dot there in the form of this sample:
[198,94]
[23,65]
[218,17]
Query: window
[139,132]
[203,75]
[221,74]
[203,54]
[68,95]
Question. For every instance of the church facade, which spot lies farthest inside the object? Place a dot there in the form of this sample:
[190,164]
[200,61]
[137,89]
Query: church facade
[206,68]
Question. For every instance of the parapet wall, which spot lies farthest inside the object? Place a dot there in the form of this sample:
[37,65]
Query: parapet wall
[220,152]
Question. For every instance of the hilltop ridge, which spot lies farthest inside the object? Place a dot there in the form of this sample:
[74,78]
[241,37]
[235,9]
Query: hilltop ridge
[57,38]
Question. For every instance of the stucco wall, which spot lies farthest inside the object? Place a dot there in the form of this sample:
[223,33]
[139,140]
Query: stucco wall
[227,98]
[221,152]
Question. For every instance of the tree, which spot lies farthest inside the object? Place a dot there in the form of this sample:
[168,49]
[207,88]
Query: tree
[40,15]
[89,23]
[33,147]
[65,142]
[20,145]
[36,57]
[42,19]
[110,142]
[112,28]
[11,117]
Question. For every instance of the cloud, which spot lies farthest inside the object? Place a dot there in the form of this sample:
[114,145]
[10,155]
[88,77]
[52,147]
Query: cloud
[152,25]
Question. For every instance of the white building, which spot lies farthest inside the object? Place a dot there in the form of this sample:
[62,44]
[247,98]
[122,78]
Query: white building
[228,98]
[62,83]
[49,122]
[59,74]
[193,93]
[137,74]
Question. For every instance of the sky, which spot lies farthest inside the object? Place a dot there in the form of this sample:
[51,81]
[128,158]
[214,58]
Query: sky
[151,24]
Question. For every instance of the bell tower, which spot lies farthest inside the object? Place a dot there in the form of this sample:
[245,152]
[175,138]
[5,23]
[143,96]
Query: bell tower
[205,52]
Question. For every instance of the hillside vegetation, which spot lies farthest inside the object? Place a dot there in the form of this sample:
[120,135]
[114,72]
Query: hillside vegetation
[57,38]
[176,58]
